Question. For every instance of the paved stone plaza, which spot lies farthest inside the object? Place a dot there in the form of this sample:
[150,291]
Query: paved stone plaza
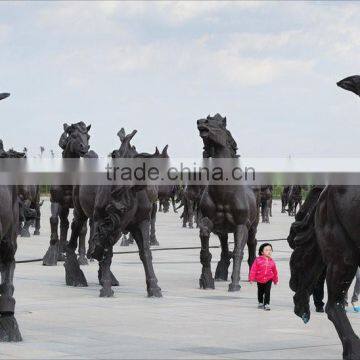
[62,322]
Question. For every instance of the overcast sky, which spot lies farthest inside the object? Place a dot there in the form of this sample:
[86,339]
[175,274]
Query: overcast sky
[270,68]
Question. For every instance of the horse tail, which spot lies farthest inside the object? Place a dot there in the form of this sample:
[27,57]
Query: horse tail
[306,263]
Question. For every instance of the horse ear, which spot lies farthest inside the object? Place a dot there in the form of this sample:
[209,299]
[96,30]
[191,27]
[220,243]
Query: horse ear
[88,128]
[121,134]
[66,127]
[351,83]
[208,117]
[4,95]
[157,152]
[164,152]
[224,121]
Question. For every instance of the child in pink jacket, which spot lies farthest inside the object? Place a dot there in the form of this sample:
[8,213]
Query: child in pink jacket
[264,272]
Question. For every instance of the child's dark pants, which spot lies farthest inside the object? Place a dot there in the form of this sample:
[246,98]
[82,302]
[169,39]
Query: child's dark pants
[264,292]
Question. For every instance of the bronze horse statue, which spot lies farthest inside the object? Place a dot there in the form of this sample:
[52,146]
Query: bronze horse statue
[30,210]
[266,203]
[190,199]
[163,194]
[284,198]
[225,209]
[9,222]
[112,210]
[75,144]
[326,235]
[294,199]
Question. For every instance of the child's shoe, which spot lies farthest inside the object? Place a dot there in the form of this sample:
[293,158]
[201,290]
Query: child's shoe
[267,307]
[260,306]
[356,308]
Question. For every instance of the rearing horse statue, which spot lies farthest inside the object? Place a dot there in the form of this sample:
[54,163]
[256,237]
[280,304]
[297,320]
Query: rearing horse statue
[225,209]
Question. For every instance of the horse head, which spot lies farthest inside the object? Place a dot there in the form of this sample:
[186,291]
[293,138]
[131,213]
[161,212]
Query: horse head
[4,95]
[126,150]
[218,141]
[351,83]
[75,140]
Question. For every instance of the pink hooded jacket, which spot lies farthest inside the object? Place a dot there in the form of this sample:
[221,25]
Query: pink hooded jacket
[263,270]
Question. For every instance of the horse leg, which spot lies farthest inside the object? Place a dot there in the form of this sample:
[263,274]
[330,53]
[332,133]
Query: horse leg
[106,274]
[73,274]
[206,280]
[51,256]
[130,239]
[240,239]
[141,236]
[338,279]
[191,214]
[37,219]
[270,207]
[82,248]
[153,240]
[252,243]
[114,280]
[267,212]
[64,227]
[124,241]
[9,329]
[221,273]
[184,217]
[174,205]
[166,206]
[25,232]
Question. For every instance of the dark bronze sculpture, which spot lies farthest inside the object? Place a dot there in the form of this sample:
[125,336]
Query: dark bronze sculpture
[9,222]
[30,210]
[172,197]
[112,210]
[163,194]
[225,209]
[266,203]
[326,234]
[190,199]
[75,144]
[284,198]
[294,199]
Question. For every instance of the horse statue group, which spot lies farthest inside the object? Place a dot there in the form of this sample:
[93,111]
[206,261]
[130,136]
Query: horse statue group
[325,233]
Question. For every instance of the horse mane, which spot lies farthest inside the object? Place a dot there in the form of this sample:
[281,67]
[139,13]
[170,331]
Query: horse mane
[80,126]
[231,143]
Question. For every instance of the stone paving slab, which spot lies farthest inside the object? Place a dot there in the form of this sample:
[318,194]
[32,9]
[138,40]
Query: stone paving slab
[57,321]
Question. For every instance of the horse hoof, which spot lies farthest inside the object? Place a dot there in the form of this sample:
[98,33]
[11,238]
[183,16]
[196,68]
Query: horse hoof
[305,318]
[9,329]
[206,282]
[154,242]
[51,256]
[73,275]
[124,242]
[36,232]
[82,260]
[25,233]
[352,350]
[221,276]
[114,280]
[221,273]
[106,292]
[234,287]
[61,257]
[154,291]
